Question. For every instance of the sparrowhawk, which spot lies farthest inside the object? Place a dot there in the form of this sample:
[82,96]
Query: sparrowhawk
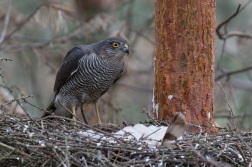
[86,73]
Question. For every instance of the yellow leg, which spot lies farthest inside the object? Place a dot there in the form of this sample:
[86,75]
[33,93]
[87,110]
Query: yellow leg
[74,113]
[97,113]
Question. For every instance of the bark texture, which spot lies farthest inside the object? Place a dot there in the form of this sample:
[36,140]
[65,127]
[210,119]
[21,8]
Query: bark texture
[184,59]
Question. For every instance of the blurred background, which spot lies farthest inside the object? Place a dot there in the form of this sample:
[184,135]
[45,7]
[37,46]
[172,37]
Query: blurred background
[37,34]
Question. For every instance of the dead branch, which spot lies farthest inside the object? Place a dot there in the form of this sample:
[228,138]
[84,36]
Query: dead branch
[228,74]
[226,21]
[230,109]
[6,22]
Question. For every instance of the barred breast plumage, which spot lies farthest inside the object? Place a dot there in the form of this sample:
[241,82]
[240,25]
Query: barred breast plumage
[86,73]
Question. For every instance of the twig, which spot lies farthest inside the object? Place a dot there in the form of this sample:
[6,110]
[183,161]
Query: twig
[43,43]
[233,33]
[241,139]
[235,116]
[250,164]
[13,100]
[137,88]
[23,23]
[151,118]
[84,161]
[222,151]
[60,159]
[221,56]
[14,149]
[230,109]
[66,155]
[65,118]
[57,7]
[237,34]
[69,111]
[233,72]
[147,23]
[6,22]
[117,155]
[204,159]
[149,134]
[144,36]
[66,10]
[226,21]
[200,128]
[241,152]
[13,94]
[33,105]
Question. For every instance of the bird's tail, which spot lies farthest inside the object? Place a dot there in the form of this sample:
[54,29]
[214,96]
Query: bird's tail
[50,109]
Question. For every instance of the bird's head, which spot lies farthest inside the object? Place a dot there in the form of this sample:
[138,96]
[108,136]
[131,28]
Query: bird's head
[113,48]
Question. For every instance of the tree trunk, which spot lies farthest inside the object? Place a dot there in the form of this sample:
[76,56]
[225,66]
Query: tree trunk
[184,59]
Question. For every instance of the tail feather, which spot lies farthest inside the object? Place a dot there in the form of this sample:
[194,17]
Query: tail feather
[50,109]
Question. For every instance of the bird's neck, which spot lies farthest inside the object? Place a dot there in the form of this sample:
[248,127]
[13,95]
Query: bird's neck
[114,59]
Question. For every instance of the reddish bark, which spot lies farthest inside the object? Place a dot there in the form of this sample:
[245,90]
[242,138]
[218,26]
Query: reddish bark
[184,59]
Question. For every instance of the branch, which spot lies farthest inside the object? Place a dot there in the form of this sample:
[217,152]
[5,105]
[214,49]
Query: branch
[13,94]
[14,149]
[237,34]
[230,109]
[23,23]
[56,7]
[59,39]
[69,111]
[233,33]
[13,100]
[6,22]
[203,158]
[226,21]
[33,105]
[150,117]
[235,116]
[233,72]
[136,88]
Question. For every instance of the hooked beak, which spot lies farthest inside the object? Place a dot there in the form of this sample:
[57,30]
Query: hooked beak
[126,48]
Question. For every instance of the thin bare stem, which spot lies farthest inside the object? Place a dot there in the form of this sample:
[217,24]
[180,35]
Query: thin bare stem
[230,109]
[6,22]
[13,94]
[14,149]
[69,111]
[226,21]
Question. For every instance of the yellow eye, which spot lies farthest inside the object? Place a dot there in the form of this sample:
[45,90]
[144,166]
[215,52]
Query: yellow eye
[115,44]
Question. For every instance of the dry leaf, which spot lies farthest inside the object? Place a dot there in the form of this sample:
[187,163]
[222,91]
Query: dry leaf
[175,129]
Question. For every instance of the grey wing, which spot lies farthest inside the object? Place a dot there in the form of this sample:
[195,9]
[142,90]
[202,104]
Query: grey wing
[69,66]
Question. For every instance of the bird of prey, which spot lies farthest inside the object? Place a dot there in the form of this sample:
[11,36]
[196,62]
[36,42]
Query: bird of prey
[86,73]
